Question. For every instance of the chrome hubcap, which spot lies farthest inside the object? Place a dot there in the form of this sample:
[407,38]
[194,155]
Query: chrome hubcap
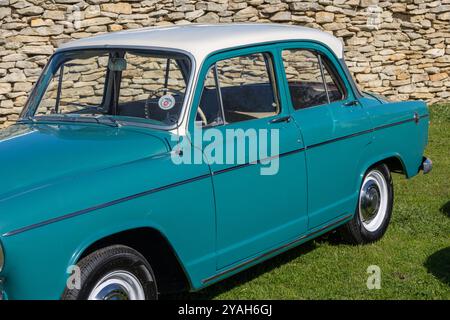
[370,201]
[118,285]
[373,200]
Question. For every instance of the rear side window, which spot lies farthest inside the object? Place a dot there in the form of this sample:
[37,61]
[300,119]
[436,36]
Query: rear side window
[310,78]
[239,89]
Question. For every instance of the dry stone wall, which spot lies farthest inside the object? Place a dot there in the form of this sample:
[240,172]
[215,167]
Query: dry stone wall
[397,48]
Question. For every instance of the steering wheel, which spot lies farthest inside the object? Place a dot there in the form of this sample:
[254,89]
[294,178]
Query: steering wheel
[202,116]
[154,94]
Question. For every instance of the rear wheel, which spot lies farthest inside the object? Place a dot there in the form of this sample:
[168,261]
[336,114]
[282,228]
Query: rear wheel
[374,209]
[114,273]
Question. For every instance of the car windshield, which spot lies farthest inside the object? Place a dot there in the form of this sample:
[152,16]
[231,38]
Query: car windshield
[110,87]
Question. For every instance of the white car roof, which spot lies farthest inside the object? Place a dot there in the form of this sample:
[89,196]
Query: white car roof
[202,39]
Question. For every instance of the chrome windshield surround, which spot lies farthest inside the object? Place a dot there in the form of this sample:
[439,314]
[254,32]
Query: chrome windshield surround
[25,114]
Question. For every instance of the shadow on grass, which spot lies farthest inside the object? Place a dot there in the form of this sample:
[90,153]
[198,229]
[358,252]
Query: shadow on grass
[439,265]
[245,276]
[445,209]
[333,238]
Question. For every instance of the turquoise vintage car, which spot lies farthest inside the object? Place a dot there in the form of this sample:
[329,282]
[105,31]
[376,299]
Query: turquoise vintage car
[102,196]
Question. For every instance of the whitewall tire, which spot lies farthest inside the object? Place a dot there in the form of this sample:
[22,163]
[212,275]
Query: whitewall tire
[374,209]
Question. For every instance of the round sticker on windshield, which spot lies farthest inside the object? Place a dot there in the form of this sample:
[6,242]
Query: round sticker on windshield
[166,102]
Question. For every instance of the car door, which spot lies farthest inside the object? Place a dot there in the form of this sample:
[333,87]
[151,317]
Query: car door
[262,171]
[334,128]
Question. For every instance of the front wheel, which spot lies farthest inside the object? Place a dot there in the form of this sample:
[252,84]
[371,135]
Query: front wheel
[374,209]
[114,273]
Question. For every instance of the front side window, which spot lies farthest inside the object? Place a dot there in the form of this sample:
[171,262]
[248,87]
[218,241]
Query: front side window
[310,81]
[239,89]
[130,86]
[210,111]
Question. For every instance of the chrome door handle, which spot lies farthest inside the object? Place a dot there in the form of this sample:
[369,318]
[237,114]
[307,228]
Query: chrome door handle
[281,119]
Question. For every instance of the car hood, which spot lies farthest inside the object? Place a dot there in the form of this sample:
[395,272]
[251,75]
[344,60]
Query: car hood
[33,155]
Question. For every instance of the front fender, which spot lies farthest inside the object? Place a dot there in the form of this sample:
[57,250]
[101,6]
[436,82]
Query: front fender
[36,259]
[111,230]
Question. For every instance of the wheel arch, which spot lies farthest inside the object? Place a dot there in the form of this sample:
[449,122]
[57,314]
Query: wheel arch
[154,246]
[394,162]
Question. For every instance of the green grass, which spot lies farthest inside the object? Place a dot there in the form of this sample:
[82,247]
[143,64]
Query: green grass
[414,255]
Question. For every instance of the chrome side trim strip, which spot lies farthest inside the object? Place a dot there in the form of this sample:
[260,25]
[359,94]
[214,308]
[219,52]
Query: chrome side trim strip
[103,205]
[258,161]
[317,145]
[273,251]
[339,139]
[365,131]
[111,203]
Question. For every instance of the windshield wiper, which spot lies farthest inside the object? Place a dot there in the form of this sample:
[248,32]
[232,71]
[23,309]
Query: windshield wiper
[26,119]
[55,117]
[110,121]
[104,120]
